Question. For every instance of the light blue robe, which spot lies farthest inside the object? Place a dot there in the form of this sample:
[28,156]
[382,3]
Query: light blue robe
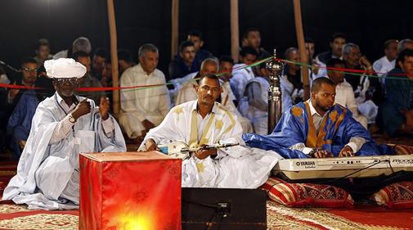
[47,170]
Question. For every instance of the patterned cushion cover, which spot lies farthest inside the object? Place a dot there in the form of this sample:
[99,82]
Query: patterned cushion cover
[397,195]
[307,194]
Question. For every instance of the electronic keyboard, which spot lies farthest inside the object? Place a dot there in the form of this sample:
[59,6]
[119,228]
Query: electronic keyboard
[344,167]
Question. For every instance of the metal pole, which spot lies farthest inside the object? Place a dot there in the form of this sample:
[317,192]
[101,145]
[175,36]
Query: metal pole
[274,93]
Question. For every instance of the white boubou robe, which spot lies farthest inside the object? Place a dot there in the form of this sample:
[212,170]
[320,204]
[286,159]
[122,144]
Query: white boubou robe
[188,93]
[234,167]
[48,170]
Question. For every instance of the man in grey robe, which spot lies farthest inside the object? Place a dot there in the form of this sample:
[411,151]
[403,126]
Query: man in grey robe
[63,126]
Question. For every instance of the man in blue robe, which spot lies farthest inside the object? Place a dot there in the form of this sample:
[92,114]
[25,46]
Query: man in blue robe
[318,128]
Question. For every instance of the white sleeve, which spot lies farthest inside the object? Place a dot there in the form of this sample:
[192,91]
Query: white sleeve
[61,130]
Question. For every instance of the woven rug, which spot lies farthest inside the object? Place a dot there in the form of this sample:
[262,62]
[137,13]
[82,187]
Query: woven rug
[360,217]
[19,217]
[278,217]
[7,171]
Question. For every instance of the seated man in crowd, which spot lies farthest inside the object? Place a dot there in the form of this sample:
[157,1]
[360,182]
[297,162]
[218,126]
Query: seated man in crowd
[367,88]
[9,98]
[344,91]
[254,103]
[184,63]
[63,125]
[291,80]
[143,109]
[243,72]
[20,121]
[206,122]
[89,80]
[396,113]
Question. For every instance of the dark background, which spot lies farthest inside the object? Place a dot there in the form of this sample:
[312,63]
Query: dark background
[368,23]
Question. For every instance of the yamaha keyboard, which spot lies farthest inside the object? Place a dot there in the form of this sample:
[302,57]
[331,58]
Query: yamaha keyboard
[345,167]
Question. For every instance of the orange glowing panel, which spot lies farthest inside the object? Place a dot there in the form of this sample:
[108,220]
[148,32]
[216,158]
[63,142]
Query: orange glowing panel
[137,190]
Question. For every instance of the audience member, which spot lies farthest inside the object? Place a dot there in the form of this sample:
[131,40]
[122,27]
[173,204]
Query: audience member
[254,103]
[79,44]
[42,51]
[252,38]
[292,90]
[337,42]
[242,72]
[344,92]
[98,63]
[387,62]
[396,113]
[196,37]
[125,60]
[88,81]
[184,63]
[143,108]
[367,88]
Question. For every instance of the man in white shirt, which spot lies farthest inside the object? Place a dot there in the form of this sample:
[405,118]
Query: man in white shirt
[143,108]
[344,91]
[386,63]
[63,126]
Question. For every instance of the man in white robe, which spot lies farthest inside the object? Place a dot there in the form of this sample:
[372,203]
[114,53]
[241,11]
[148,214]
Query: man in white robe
[188,92]
[206,122]
[63,126]
[143,109]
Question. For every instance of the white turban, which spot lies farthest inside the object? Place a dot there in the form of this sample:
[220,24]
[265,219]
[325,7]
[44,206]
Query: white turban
[64,68]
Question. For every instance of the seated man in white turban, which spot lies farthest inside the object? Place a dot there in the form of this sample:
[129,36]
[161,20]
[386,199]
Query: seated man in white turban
[63,126]
[206,122]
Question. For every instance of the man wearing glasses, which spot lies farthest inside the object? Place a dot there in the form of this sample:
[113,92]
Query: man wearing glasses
[11,96]
[63,126]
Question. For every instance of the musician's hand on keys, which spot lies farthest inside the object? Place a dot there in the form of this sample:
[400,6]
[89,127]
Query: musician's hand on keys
[322,154]
[347,151]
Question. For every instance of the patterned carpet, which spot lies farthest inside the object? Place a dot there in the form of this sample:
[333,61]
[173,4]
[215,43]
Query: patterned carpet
[278,217]
[362,217]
